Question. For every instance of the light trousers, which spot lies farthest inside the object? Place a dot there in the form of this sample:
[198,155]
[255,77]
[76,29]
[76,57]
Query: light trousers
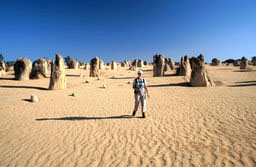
[140,98]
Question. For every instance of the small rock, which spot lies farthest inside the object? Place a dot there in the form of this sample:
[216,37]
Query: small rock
[87,81]
[81,75]
[74,94]
[129,82]
[33,98]
[104,86]
[98,79]
[113,77]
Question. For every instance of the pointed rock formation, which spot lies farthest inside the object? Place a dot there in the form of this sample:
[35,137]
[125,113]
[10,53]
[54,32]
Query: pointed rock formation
[140,63]
[58,75]
[216,62]
[87,66]
[244,63]
[146,63]
[94,67]
[113,65]
[184,67]
[254,61]
[22,69]
[199,77]
[101,65]
[73,64]
[135,63]
[2,69]
[39,69]
[158,65]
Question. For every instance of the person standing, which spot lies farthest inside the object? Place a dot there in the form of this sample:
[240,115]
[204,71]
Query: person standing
[139,86]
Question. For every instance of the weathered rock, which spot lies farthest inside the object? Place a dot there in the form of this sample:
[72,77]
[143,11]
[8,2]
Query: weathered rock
[123,64]
[11,68]
[199,76]
[135,63]
[244,63]
[74,94]
[201,58]
[113,65]
[237,63]
[216,62]
[22,69]
[87,66]
[73,64]
[87,81]
[33,98]
[254,61]
[58,75]
[158,65]
[104,86]
[2,69]
[39,69]
[101,65]
[146,63]
[132,68]
[167,64]
[184,67]
[140,63]
[127,63]
[172,64]
[94,67]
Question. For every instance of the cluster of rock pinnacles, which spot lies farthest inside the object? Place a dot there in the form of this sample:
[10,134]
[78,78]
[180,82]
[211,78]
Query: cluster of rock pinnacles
[193,68]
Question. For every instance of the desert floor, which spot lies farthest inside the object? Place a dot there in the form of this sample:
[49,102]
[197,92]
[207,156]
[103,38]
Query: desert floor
[185,126]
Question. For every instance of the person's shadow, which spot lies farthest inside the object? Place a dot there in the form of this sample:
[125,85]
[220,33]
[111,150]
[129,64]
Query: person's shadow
[87,118]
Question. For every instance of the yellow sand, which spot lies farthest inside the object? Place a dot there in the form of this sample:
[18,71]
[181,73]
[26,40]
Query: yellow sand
[185,126]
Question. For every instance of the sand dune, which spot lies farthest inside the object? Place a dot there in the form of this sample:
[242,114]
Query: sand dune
[185,126]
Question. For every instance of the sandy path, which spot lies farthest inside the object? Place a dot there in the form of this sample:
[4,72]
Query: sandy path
[184,126]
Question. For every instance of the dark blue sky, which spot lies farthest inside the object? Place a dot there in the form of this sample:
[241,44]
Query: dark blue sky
[118,29]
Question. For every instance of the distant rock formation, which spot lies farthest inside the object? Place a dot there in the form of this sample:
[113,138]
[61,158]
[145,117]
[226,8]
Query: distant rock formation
[22,69]
[132,68]
[58,75]
[254,61]
[39,69]
[167,64]
[244,63]
[158,65]
[73,64]
[101,65]
[135,63]
[113,65]
[199,77]
[86,66]
[94,67]
[172,64]
[140,63]
[216,62]
[146,63]
[184,67]
[2,69]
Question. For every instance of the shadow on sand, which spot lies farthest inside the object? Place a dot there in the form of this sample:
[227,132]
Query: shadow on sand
[184,84]
[123,78]
[87,118]
[26,87]
[242,85]
[245,70]
[10,79]
[69,75]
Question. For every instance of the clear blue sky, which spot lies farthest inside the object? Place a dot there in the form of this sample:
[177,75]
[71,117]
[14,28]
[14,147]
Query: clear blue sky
[119,29]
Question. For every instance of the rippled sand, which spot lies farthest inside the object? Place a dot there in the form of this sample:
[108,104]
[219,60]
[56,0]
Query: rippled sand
[185,126]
